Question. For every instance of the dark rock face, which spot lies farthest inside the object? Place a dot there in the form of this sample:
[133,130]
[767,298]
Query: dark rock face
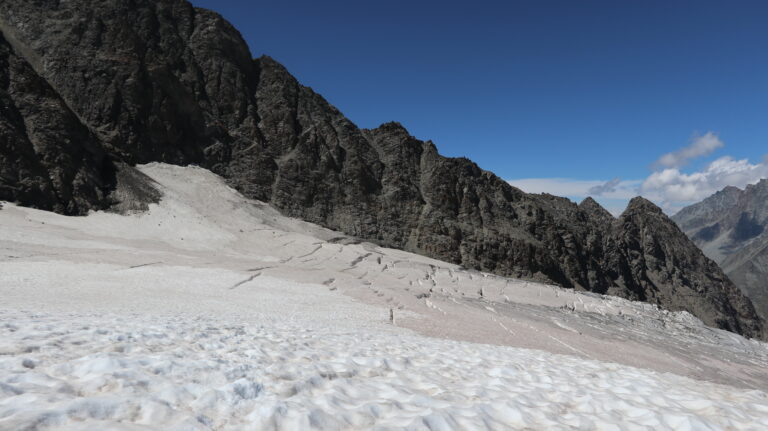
[48,159]
[730,226]
[159,80]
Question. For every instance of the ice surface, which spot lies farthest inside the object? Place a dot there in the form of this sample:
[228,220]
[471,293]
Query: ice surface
[215,312]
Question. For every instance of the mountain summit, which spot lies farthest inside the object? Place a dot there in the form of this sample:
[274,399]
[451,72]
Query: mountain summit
[89,88]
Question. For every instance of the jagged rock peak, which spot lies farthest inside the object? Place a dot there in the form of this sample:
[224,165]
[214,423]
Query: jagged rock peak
[641,205]
[390,129]
[595,209]
[392,126]
[762,184]
[731,189]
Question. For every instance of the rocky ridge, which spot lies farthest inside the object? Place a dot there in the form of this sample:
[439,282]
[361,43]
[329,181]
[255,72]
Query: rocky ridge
[89,88]
[731,227]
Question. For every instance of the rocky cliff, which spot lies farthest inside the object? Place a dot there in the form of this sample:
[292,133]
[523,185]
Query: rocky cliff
[89,85]
[731,227]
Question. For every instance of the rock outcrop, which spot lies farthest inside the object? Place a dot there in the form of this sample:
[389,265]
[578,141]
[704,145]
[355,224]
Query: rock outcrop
[160,80]
[48,158]
[731,227]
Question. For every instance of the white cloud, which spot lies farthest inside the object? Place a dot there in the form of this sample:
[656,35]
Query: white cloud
[614,193]
[578,189]
[673,189]
[608,187]
[667,186]
[554,186]
[701,146]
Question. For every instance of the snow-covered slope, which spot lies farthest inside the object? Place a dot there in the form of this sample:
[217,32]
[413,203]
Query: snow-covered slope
[211,311]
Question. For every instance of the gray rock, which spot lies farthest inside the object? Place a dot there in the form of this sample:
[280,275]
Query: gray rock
[133,191]
[663,267]
[731,227]
[160,80]
[48,158]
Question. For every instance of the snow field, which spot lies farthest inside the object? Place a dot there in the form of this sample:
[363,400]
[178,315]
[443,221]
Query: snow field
[138,372]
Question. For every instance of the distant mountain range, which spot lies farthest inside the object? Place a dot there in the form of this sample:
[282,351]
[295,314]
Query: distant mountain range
[731,227]
[89,88]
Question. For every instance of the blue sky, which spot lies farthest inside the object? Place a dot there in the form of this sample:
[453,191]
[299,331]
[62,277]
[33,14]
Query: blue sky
[557,96]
